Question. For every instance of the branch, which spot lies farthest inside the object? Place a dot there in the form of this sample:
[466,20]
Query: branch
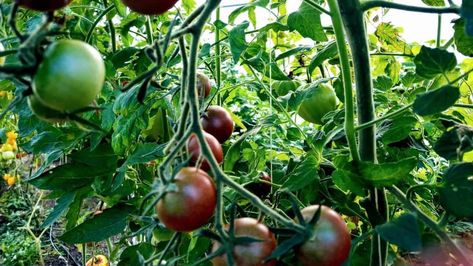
[433,10]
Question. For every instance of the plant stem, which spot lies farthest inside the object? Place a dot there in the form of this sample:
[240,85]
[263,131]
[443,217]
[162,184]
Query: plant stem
[149,31]
[352,14]
[318,7]
[96,22]
[435,10]
[439,30]
[218,76]
[111,28]
[387,116]
[350,131]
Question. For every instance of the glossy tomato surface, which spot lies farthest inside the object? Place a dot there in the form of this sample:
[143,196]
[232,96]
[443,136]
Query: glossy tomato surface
[70,76]
[218,122]
[43,5]
[150,7]
[203,85]
[330,243]
[194,149]
[319,100]
[192,205]
[255,253]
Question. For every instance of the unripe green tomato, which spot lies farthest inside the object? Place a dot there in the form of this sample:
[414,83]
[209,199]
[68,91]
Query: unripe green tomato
[320,99]
[43,112]
[285,86]
[70,76]
[8,155]
[2,59]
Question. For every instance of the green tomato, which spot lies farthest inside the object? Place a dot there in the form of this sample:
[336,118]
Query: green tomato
[285,86]
[70,76]
[8,155]
[43,112]
[320,99]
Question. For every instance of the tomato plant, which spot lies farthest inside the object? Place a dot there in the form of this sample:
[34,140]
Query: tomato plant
[254,253]
[330,241]
[70,76]
[320,100]
[218,122]
[192,204]
[150,7]
[114,114]
[48,5]
[193,147]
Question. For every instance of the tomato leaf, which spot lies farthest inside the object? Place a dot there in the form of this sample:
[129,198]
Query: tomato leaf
[403,232]
[102,156]
[456,190]
[236,38]
[306,21]
[329,51]
[463,41]
[436,101]
[387,174]
[431,62]
[304,174]
[107,224]
[399,129]
[130,255]
[62,205]
[455,142]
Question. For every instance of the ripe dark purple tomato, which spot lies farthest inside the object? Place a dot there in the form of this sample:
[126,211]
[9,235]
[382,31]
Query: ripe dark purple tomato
[43,5]
[253,254]
[192,205]
[150,7]
[331,242]
[194,149]
[218,122]
[260,189]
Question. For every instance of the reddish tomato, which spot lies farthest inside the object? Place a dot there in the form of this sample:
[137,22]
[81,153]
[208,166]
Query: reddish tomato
[203,85]
[255,253]
[192,205]
[218,122]
[43,5]
[150,7]
[331,242]
[259,188]
[194,149]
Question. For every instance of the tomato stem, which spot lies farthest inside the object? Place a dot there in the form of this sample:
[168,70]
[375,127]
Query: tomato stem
[435,10]
[96,22]
[346,77]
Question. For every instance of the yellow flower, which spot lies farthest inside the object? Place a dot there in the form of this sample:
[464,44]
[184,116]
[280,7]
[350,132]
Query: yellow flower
[12,143]
[11,181]
[6,177]
[12,135]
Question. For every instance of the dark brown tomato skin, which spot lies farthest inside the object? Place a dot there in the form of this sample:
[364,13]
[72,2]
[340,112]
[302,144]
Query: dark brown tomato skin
[253,254]
[331,243]
[192,205]
[203,85]
[150,7]
[218,122]
[194,149]
[43,5]
[260,189]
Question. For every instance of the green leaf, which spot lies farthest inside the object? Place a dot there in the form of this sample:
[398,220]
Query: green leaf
[246,7]
[130,255]
[328,52]
[236,38]
[431,62]
[103,156]
[387,174]
[144,153]
[292,52]
[456,190]
[69,176]
[347,178]
[463,41]
[455,142]
[399,129]
[233,154]
[436,101]
[307,22]
[304,174]
[434,2]
[107,224]
[403,232]
[62,205]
